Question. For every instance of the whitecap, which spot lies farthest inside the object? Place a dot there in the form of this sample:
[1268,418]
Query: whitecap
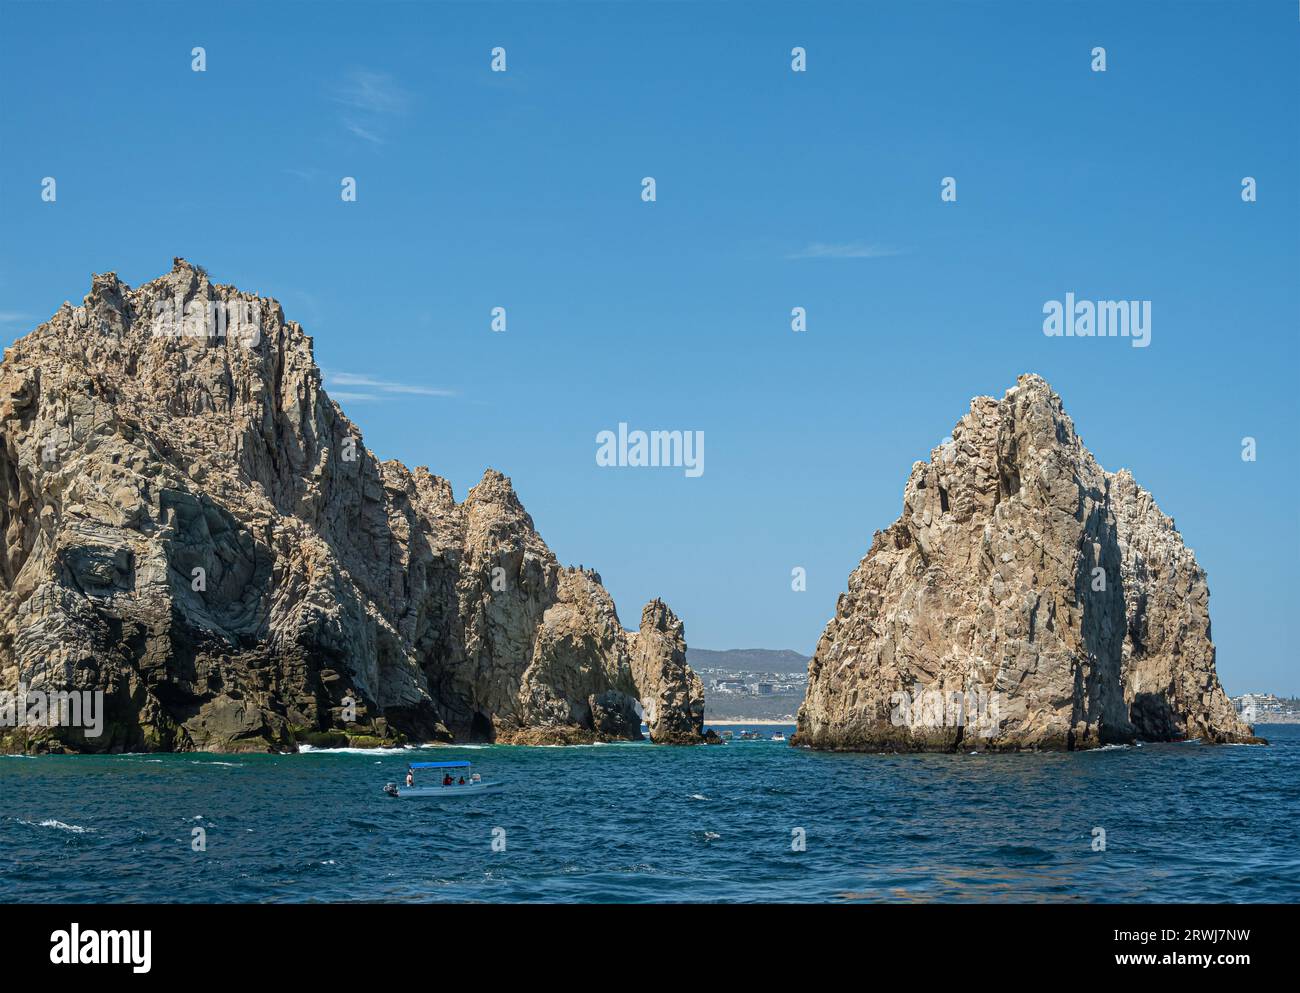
[306,749]
[51,823]
[450,744]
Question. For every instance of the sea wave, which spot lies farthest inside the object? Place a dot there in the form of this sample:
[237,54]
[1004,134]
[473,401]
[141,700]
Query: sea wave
[576,819]
[443,744]
[309,750]
[59,825]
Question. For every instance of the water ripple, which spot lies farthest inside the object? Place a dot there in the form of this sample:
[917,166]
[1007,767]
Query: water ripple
[765,822]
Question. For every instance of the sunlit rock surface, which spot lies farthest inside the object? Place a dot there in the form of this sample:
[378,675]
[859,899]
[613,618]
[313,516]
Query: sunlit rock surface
[191,525]
[1025,598]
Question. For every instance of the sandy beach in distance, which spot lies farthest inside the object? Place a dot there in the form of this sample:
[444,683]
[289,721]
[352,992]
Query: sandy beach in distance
[739,722]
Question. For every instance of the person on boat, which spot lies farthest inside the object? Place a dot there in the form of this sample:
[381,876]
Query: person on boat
[410,777]
[446,779]
[462,781]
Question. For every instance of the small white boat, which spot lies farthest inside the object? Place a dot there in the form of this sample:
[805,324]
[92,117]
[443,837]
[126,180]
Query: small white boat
[450,785]
[778,737]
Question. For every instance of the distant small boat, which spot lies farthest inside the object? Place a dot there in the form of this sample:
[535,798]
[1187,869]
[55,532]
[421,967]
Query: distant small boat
[778,736]
[450,785]
[749,736]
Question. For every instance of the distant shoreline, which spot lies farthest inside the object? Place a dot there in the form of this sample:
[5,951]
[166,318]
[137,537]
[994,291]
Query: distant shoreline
[737,722]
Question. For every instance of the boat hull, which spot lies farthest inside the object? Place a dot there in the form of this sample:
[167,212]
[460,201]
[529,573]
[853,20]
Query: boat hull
[445,792]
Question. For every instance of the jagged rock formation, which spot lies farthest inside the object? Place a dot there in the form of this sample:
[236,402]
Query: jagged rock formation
[191,525]
[1024,599]
[672,693]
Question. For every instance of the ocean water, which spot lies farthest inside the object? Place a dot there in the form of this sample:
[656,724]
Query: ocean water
[640,823]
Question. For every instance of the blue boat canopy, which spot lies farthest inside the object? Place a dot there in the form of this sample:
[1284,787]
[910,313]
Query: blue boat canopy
[439,765]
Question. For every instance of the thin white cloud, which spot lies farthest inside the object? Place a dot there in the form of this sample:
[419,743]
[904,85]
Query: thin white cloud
[844,250]
[382,386]
[374,92]
[372,101]
[361,132]
[12,316]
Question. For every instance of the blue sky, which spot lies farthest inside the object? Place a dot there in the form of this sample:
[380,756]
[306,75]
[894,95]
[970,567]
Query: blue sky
[775,189]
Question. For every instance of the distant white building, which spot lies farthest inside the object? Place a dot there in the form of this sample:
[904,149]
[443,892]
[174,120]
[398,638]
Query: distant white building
[1254,706]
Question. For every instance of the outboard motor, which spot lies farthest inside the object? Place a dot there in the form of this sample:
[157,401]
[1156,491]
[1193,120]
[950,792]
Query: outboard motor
[390,789]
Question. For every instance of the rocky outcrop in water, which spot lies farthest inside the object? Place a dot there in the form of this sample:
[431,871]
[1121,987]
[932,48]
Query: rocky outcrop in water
[193,527]
[1025,598]
[672,693]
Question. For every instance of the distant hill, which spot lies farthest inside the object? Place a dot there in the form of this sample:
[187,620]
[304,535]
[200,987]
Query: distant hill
[748,659]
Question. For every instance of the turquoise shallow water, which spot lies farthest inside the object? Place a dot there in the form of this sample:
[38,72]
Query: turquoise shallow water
[640,823]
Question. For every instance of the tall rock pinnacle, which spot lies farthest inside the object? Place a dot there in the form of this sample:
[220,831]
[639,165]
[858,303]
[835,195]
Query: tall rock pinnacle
[1025,598]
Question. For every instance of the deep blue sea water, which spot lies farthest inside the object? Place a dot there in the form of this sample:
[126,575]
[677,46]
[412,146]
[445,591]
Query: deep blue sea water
[640,823]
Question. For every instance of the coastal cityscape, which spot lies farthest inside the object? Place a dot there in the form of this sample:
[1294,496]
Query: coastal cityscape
[751,685]
[1267,708]
[757,685]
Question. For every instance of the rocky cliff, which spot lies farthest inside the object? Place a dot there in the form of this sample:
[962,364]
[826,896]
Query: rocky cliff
[1025,598]
[193,527]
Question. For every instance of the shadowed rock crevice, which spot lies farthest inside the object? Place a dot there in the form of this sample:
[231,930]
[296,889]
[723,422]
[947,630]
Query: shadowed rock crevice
[191,524]
[1022,570]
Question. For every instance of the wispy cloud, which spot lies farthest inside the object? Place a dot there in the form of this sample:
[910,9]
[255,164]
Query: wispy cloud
[12,317]
[376,92]
[371,102]
[372,388]
[844,250]
[361,132]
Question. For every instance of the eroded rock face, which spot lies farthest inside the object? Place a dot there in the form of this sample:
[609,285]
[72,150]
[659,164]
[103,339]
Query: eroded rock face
[191,525]
[673,695]
[1025,598]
